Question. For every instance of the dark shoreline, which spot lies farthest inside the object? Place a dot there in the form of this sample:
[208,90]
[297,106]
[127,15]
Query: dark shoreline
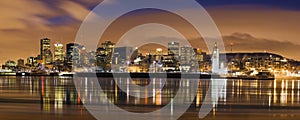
[146,75]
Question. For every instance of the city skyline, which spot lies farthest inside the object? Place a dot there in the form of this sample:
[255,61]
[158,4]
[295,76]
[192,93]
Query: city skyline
[59,51]
[111,58]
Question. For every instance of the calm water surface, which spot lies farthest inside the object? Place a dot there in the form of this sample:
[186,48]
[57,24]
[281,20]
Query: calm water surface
[56,97]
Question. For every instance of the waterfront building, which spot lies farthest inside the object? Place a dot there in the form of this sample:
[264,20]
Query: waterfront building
[92,58]
[31,61]
[72,53]
[215,58]
[108,46]
[85,57]
[10,65]
[158,54]
[173,49]
[186,58]
[45,51]
[135,54]
[124,54]
[199,54]
[257,60]
[104,55]
[170,63]
[121,59]
[58,52]
[101,57]
[21,63]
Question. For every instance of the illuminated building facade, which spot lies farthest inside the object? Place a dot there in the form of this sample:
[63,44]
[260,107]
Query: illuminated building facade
[21,63]
[104,55]
[45,51]
[108,47]
[173,49]
[215,58]
[58,52]
[124,54]
[186,58]
[72,53]
[158,54]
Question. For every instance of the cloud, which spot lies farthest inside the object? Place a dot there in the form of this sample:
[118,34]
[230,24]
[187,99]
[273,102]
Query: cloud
[89,2]
[243,42]
[24,23]
[291,5]
[76,10]
[260,21]
[19,14]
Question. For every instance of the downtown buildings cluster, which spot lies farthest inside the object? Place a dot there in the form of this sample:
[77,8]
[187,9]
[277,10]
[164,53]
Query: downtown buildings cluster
[109,58]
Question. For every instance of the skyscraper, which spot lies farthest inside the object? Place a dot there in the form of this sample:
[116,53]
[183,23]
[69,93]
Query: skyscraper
[11,65]
[186,58]
[104,53]
[45,51]
[186,55]
[215,59]
[58,52]
[31,61]
[199,55]
[72,53]
[21,63]
[108,46]
[158,54]
[173,49]
[44,46]
[124,54]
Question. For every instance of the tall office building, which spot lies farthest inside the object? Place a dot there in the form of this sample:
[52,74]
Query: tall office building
[58,52]
[124,54]
[199,55]
[108,46]
[101,56]
[186,55]
[173,49]
[11,65]
[104,53]
[187,59]
[21,63]
[72,53]
[31,61]
[45,51]
[215,59]
[136,53]
[158,54]
[44,46]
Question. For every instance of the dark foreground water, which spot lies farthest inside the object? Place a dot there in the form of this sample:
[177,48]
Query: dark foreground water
[49,98]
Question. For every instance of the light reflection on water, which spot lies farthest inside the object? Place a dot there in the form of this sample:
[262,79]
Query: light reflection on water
[55,94]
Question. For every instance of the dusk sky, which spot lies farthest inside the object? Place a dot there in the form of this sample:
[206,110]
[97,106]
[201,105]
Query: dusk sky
[251,25]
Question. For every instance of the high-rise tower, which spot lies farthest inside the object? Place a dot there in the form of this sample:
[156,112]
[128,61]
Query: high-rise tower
[58,52]
[72,53]
[45,51]
[173,49]
[215,59]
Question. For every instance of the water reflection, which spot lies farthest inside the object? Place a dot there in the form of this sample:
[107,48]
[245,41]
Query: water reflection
[54,94]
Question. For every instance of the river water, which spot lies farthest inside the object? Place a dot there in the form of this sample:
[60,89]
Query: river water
[42,97]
